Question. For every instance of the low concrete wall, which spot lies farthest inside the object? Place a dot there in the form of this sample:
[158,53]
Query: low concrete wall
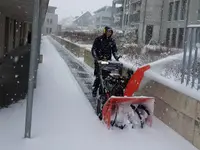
[74,48]
[177,110]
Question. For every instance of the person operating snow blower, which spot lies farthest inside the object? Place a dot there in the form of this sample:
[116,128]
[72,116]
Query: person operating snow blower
[103,48]
[116,105]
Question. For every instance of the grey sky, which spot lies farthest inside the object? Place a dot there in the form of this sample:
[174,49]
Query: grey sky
[74,7]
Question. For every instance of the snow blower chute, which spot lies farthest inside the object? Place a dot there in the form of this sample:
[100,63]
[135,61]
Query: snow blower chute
[116,105]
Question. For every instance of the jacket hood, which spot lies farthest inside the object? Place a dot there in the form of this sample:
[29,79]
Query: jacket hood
[108,28]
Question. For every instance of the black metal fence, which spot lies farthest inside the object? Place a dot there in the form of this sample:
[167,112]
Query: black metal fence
[191,58]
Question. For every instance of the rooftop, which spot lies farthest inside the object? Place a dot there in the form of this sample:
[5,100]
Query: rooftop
[86,14]
[105,8]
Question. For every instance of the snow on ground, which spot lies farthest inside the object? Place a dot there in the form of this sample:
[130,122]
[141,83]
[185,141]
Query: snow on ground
[63,118]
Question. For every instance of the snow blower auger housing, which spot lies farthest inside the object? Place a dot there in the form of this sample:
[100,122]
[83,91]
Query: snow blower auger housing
[116,104]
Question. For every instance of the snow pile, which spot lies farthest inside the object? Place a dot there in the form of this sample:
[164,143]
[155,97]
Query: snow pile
[171,66]
[173,71]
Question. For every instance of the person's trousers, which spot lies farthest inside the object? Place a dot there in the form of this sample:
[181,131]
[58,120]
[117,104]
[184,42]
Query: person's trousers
[97,78]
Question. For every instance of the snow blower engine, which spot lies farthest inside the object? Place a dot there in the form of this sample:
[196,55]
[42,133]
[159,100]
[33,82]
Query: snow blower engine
[116,104]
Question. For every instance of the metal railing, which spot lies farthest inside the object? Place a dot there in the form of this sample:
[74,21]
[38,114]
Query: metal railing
[191,58]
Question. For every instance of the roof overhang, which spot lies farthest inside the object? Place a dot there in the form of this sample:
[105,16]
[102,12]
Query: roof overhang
[22,10]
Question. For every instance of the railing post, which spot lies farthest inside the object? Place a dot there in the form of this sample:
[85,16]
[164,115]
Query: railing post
[194,67]
[190,56]
[185,41]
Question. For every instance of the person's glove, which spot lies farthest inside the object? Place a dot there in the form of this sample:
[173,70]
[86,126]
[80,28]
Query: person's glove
[118,57]
[95,58]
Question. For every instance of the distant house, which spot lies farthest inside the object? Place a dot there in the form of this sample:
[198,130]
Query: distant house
[84,20]
[51,21]
[103,17]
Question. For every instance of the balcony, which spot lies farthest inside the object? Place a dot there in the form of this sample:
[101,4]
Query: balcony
[117,19]
[135,18]
[135,1]
[135,12]
[118,1]
[119,10]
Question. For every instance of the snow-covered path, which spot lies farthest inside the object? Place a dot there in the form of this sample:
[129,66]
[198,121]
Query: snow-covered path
[63,118]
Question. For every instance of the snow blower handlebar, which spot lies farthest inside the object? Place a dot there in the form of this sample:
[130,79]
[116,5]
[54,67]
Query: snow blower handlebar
[107,67]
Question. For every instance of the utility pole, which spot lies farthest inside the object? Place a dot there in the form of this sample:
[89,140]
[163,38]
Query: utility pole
[32,69]
[123,14]
[161,21]
[144,19]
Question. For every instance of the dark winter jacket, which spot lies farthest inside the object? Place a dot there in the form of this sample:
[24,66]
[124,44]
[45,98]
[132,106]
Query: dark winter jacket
[103,48]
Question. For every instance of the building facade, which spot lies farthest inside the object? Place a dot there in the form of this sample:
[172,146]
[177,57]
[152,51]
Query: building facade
[117,13]
[51,22]
[16,21]
[159,20]
[175,19]
[103,17]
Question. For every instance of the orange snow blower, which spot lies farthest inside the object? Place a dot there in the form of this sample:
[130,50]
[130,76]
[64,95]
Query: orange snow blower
[116,105]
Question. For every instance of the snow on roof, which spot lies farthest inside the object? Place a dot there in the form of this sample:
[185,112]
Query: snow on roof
[83,15]
[103,9]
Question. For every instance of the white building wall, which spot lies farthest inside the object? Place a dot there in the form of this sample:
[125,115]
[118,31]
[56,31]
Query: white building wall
[102,22]
[49,25]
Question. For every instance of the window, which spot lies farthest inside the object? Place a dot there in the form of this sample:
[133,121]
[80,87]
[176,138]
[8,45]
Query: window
[183,9]
[48,21]
[51,21]
[180,37]
[50,30]
[127,2]
[134,18]
[134,7]
[168,36]
[171,4]
[177,3]
[149,33]
[47,30]
[174,32]
[126,20]
[199,12]
[106,18]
